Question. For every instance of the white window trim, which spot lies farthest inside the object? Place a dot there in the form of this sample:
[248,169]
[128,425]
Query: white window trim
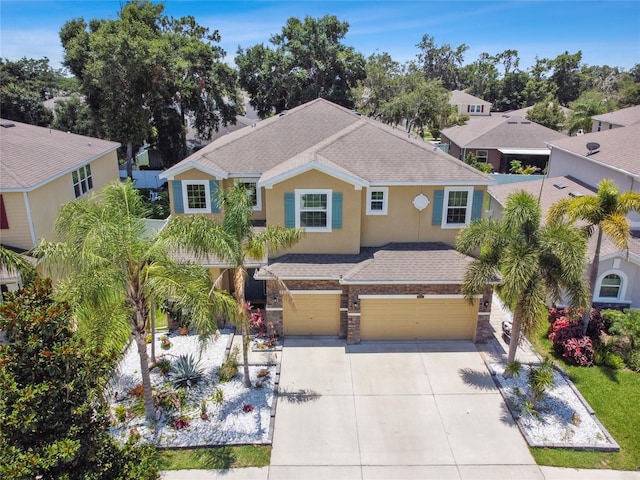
[622,292]
[484,158]
[445,205]
[185,198]
[298,195]
[475,109]
[254,180]
[79,182]
[385,200]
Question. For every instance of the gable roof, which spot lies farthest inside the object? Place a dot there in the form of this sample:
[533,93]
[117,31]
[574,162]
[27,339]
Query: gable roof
[324,136]
[500,131]
[624,117]
[32,156]
[619,148]
[459,97]
[548,191]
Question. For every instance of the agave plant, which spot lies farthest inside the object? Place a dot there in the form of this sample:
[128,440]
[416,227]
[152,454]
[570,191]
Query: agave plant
[185,372]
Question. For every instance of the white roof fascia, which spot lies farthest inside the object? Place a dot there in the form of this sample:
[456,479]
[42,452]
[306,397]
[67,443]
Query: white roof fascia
[525,151]
[172,172]
[314,165]
[437,184]
[295,277]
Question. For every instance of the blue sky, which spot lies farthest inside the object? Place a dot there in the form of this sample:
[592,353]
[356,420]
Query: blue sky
[607,32]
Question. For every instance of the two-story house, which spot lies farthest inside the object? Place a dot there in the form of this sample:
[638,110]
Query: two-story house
[467,104]
[620,118]
[40,170]
[380,209]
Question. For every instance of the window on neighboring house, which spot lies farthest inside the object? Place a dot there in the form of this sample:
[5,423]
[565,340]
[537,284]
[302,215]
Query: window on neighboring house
[610,286]
[482,155]
[82,180]
[599,126]
[255,197]
[313,210]
[4,221]
[457,207]
[476,108]
[377,201]
[196,196]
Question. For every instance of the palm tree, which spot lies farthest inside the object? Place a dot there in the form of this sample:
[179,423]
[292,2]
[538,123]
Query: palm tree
[13,262]
[605,213]
[233,241]
[532,263]
[111,266]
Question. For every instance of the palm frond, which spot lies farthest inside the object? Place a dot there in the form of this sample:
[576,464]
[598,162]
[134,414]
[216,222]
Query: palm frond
[617,228]
[482,233]
[13,262]
[478,275]
[629,202]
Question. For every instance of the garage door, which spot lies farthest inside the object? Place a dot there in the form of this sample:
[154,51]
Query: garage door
[314,314]
[418,318]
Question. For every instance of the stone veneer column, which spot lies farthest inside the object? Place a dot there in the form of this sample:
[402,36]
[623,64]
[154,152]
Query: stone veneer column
[273,308]
[483,327]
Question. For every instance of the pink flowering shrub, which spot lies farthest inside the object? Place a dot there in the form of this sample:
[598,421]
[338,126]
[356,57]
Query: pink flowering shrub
[565,332]
[579,351]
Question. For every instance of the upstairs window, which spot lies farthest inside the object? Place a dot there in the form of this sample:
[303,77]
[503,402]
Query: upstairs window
[457,207]
[313,210]
[196,196]
[82,180]
[377,201]
[255,199]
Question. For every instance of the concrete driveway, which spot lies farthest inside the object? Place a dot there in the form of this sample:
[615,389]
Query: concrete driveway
[392,410]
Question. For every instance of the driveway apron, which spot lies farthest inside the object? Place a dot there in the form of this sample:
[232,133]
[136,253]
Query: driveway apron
[392,410]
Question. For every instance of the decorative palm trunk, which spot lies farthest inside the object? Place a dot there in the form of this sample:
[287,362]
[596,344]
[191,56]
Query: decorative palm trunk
[146,379]
[239,279]
[515,334]
[593,277]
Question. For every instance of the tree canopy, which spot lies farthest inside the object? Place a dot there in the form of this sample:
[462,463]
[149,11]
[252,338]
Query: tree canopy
[146,76]
[307,60]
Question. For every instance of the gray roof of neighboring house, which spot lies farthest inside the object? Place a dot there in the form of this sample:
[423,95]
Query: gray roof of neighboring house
[396,262]
[458,97]
[548,192]
[625,117]
[522,112]
[619,147]
[32,156]
[501,131]
[335,138]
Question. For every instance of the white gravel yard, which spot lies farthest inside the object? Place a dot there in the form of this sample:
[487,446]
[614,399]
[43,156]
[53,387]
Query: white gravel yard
[242,417]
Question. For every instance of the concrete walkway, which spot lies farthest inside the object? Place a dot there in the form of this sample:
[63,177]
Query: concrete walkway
[397,410]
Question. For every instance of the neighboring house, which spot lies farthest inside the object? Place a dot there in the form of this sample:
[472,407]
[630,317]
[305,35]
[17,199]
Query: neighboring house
[381,211]
[613,154]
[618,283]
[40,170]
[468,104]
[499,139]
[620,118]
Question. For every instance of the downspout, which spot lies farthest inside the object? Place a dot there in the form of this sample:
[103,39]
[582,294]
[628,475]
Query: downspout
[32,228]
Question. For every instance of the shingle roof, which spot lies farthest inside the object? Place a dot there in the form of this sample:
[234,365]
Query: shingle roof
[322,132]
[625,117]
[430,262]
[619,147]
[501,131]
[31,155]
[458,97]
[546,189]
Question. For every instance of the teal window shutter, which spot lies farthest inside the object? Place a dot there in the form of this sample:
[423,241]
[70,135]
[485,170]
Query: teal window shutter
[214,185]
[289,210]
[438,202]
[476,208]
[178,203]
[336,210]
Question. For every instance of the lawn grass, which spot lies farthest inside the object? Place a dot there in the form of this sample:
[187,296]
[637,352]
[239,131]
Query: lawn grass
[615,397]
[216,457]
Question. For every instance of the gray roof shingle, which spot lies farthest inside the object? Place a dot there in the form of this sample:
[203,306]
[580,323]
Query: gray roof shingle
[625,117]
[31,155]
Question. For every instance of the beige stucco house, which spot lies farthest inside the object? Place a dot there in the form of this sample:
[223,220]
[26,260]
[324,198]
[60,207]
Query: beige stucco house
[40,170]
[380,210]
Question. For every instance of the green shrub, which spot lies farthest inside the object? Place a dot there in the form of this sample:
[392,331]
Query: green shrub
[218,396]
[185,372]
[633,361]
[163,365]
[229,368]
[513,369]
[540,378]
[120,412]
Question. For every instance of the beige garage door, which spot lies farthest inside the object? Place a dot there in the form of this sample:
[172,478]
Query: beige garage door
[314,314]
[418,318]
